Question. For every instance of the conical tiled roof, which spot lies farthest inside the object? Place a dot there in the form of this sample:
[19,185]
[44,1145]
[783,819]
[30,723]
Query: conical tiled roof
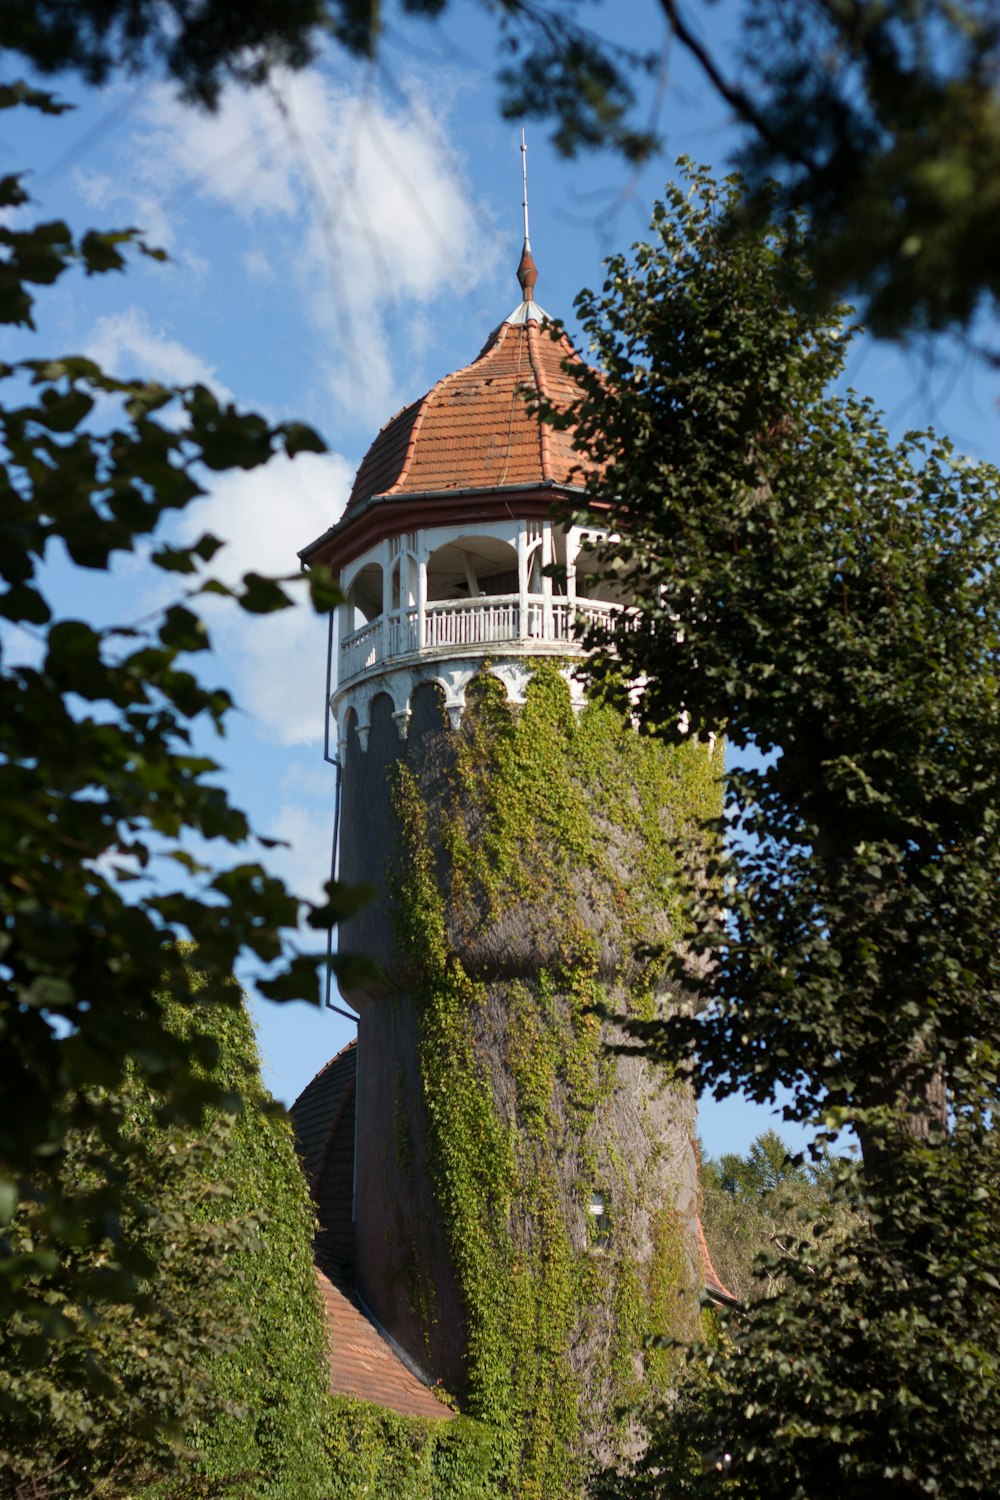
[474,429]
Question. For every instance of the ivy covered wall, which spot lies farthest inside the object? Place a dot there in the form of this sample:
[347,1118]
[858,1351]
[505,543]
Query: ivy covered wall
[272,1385]
[534,864]
[373,1452]
[210,1378]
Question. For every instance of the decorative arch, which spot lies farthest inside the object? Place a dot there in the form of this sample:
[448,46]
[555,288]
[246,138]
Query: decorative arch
[365,595]
[471,566]
[450,678]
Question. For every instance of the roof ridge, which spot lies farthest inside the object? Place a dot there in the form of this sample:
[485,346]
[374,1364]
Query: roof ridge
[421,404]
[514,396]
[335,1058]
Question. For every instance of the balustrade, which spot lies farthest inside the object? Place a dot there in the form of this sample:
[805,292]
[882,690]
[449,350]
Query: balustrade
[451,623]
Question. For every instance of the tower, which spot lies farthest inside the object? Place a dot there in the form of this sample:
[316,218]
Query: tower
[524,1203]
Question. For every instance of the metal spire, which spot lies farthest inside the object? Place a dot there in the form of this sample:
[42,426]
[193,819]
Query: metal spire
[527,271]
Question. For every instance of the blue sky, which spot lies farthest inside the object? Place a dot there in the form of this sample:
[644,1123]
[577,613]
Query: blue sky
[337,243]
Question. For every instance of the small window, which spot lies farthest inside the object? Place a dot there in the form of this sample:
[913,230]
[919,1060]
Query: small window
[599,1210]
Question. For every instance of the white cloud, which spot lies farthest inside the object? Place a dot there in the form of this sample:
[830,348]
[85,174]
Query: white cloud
[307,830]
[257,266]
[364,212]
[263,516]
[276,662]
[132,195]
[307,778]
[127,345]
[365,208]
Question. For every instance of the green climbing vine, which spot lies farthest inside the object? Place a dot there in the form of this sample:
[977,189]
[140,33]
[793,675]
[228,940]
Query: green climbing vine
[373,1453]
[532,891]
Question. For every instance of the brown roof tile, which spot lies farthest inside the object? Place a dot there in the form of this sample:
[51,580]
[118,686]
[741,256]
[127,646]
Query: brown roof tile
[473,430]
[316,1111]
[714,1288]
[362,1364]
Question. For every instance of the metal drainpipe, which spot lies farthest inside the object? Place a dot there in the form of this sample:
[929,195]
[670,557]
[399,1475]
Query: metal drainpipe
[332,760]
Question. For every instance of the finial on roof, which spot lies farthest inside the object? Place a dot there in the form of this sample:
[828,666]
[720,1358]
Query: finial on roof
[527,271]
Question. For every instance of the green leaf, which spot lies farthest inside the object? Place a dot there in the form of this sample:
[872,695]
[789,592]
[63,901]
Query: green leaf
[25,604]
[301,439]
[344,901]
[101,251]
[262,596]
[21,93]
[324,590]
[183,630]
[8,1199]
[299,980]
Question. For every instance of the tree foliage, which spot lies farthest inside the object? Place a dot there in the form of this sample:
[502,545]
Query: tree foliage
[869,1368]
[881,118]
[882,121]
[829,600]
[104,1409]
[372,1450]
[755,1210]
[271,1387]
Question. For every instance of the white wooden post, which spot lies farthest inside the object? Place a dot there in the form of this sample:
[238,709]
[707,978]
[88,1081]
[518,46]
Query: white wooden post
[421,592]
[386,600]
[548,628]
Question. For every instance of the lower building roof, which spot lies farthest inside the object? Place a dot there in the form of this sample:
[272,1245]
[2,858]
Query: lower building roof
[363,1364]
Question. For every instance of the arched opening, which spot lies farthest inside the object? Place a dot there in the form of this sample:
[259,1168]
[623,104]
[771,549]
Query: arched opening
[472,567]
[535,562]
[560,559]
[403,586]
[536,558]
[595,580]
[361,638]
[364,597]
[473,593]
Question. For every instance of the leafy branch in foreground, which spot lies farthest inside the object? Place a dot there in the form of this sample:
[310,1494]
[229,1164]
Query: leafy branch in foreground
[881,118]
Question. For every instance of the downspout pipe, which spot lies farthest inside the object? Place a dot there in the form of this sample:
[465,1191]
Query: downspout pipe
[332,760]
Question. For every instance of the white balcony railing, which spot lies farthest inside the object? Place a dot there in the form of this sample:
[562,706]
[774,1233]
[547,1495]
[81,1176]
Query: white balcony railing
[472,622]
[361,650]
[458,623]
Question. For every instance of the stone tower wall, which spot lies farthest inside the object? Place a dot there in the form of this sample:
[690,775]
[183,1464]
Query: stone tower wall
[525,864]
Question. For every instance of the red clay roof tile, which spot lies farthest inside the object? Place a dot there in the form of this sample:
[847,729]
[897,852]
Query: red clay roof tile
[316,1111]
[363,1365]
[474,430]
